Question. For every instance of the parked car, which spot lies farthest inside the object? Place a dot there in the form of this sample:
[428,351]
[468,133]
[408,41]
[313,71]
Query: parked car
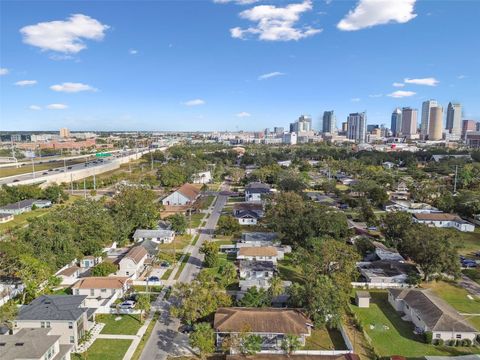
[45,173]
[69,167]
[129,304]
[185,329]
[15,180]
[153,279]
[165,264]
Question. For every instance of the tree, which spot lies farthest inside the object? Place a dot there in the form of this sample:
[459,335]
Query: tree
[290,181]
[55,193]
[199,298]
[178,222]
[395,225]
[172,175]
[228,225]
[228,274]
[34,274]
[143,304]
[8,313]
[104,269]
[210,249]
[290,343]
[203,338]
[250,344]
[276,287]
[254,297]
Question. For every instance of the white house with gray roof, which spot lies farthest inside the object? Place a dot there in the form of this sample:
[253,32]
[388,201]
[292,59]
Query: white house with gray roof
[160,236]
[66,316]
[429,313]
[24,206]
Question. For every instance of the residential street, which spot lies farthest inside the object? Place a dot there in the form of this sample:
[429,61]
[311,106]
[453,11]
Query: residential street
[165,339]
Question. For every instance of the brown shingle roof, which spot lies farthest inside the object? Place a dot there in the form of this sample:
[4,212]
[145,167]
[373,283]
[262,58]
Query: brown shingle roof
[190,191]
[69,271]
[137,253]
[258,320]
[109,282]
[257,251]
[248,206]
[436,217]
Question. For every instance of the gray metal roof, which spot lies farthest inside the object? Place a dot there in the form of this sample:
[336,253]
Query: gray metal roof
[19,204]
[157,233]
[259,236]
[26,344]
[53,307]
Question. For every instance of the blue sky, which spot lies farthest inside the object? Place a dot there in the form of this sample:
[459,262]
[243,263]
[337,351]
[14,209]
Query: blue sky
[198,65]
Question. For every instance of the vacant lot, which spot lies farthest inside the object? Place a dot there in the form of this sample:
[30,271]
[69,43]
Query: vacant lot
[180,242]
[105,349]
[127,325]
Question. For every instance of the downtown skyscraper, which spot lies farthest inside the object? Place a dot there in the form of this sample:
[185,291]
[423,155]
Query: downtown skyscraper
[425,124]
[454,120]
[357,127]
[329,122]
[396,122]
[435,127]
[409,121]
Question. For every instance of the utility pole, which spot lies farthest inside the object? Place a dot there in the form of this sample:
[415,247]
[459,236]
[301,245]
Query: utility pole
[33,168]
[94,180]
[151,160]
[71,183]
[84,189]
[455,182]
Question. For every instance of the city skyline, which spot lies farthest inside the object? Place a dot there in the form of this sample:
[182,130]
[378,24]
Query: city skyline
[136,68]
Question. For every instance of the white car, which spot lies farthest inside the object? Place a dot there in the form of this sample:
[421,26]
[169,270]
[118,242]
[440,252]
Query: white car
[129,304]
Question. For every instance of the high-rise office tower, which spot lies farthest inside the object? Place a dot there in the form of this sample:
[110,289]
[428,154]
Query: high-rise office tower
[329,122]
[357,127]
[436,121]
[425,124]
[454,120]
[64,133]
[396,122]
[303,124]
[409,121]
[468,125]
[278,130]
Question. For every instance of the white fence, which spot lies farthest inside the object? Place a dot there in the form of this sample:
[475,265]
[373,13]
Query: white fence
[366,285]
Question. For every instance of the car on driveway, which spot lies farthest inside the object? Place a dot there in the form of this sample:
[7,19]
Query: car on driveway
[185,329]
[165,264]
[153,279]
[129,304]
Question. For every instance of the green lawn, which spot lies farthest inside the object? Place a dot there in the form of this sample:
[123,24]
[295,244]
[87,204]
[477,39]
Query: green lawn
[392,336]
[473,274]
[469,241]
[105,349]
[22,219]
[182,266]
[128,325]
[196,220]
[180,242]
[224,239]
[455,295]
[288,271]
[195,239]
[325,339]
[167,274]
[207,201]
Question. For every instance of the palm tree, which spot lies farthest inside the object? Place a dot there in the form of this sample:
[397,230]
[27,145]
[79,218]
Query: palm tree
[276,287]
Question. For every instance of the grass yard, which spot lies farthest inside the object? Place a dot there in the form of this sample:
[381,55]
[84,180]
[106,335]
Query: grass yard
[224,239]
[180,242]
[207,201]
[235,199]
[151,288]
[105,349]
[167,274]
[182,266]
[455,295]
[470,241]
[196,220]
[391,335]
[22,219]
[325,339]
[128,325]
[288,271]
[195,239]
[473,274]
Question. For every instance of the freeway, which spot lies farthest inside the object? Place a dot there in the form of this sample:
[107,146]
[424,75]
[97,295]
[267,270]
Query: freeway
[44,174]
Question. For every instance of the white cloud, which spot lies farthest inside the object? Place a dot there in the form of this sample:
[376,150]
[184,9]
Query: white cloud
[270,75]
[460,77]
[70,87]
[3,71]
[57,106]
[194,102]
[401,94]
[243,114]
[26,82]
[66,36]
[397,84]
[35,107]
[238,2]
[375,95]
[355,99]
[370,13]
[133,52]
[275,23]
[430,81]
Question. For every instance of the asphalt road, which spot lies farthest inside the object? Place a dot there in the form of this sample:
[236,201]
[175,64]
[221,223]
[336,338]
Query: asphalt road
[165,339]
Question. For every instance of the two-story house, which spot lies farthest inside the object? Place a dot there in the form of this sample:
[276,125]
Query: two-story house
[258,253]
[255,191]
[101,291]
[66,316]
[133,263]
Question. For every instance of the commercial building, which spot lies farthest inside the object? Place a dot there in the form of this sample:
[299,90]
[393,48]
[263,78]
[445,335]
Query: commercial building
[426,111]
[468,125]
[436,122]
[329,122]
[409,121]
[64,133]
[303,124]
[357,127]
[454,120]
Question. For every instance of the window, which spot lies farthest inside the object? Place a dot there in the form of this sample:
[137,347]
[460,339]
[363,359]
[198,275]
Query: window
[42,324]
[458,336]
[103,290]
[92,292]
[72,339]
[77,291]
[127,273]
[70,325]
[437,336]
[48,324]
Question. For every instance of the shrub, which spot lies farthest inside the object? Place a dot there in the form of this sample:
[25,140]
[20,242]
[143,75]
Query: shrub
[467,342]
[428,336]
[452,342]
[439,342]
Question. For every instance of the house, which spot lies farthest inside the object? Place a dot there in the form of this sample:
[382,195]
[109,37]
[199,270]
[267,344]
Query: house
[33,344]
[410,207]
[256,208]
[429,313]
[443,220]
[24,206]
[249,270]
[65,315]
[159,236]
[69,274]
[258,253]
[101,291]
[321,199]
[259,238]
[383,252]
[133,264]
[185,195]
[362,299]
[4,218]
[90,261]
[247,217]
[255,191]
[271,324]
[386,271]
[204,177]
[151,247]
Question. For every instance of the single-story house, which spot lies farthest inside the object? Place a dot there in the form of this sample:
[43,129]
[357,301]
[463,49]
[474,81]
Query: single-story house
[386,271]
[258,253]
[132,264]
[101,287]
[303,357]
[90,261]
[411,207]
[256,269]
[383,252]
[69,275]
[444,221]
[247,217]
[185,195]
[204,177]
[33,344]
[259,238]
[65,315]
[255,191]
[4,218]
[24,206]
[429,313]
[272,324]
[158,235]
[321,198]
